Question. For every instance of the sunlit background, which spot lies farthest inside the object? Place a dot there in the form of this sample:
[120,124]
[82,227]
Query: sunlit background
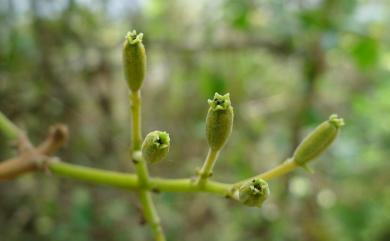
[287,64]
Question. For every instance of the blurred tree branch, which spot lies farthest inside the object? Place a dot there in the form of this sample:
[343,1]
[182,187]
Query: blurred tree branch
[31,158]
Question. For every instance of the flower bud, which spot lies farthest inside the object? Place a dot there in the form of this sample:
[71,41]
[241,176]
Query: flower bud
[155,146]
[134,60]
[253,193]
[318,140]
[219,121]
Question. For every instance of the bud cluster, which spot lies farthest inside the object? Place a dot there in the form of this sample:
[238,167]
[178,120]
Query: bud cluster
[219,123]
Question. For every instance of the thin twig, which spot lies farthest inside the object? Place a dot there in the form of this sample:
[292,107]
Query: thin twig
[31,158]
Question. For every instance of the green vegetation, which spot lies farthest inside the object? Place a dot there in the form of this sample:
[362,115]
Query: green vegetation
[286,67]
[155,147]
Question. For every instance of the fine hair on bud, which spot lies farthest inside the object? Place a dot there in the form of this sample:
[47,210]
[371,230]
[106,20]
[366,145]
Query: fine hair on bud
[318,140]
[253,193]
[155,146]
[219,121]
[134,60]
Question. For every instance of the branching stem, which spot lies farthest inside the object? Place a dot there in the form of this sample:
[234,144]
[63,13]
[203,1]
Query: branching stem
[207,169]
[57,136]
[149,208]
[130,181]
[280,170]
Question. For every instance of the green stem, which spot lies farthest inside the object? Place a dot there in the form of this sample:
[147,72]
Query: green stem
[277,171]
[9,130]
[280,170]
[187,185]
[151,215]
[130,181]
[136,133]
[149,208]
[207,169]
[141,168]
[93,175]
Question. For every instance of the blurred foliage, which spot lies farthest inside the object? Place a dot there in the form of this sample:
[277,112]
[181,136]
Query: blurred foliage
[287,65]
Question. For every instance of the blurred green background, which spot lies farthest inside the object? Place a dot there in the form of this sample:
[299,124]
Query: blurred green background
[287,65]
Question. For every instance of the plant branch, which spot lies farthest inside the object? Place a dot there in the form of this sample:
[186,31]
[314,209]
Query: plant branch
[29,158]
[280,170]
[149,208]
[29,161]
[8,129]
[207,169]
[14,167]
[136,130]
[130,181]
[56,138]
[141,168]
[151,215]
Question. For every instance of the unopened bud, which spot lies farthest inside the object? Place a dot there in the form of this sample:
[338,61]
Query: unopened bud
[318,140]
[134,60]
[155,146]
[254,192]
[219,121]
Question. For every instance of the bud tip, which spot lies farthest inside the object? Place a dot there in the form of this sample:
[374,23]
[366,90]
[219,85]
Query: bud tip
[220,102]
[336,121]
[161,139]
[133,38]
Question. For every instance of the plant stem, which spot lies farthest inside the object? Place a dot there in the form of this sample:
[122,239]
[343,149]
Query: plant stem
[141,168]
[149,208]
[93,175]
[187,185]
[207,169]
[277,171]
[151,215]
[9,130]
[136,133]
[130,181]
[110,178]
[15,167]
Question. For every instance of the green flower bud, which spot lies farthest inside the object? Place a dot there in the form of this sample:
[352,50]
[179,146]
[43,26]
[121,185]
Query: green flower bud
[134,60]
[253,193]
[155,146]
[219,121]
[318,140]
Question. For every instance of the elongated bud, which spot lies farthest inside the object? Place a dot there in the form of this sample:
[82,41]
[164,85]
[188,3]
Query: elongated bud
[253,193]
[134,60]
[155,146]
[219,121]
[318,140]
